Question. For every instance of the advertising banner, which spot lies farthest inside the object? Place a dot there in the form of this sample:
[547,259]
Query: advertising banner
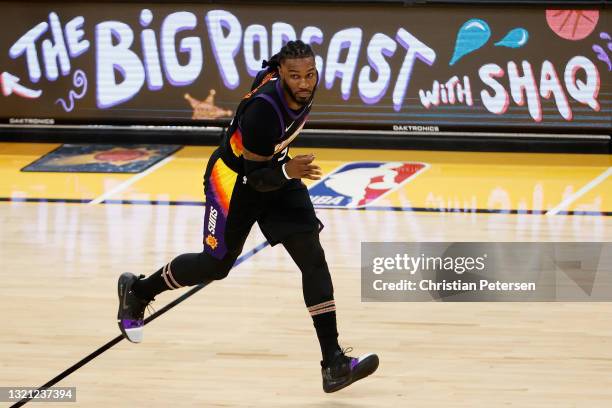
[386,67]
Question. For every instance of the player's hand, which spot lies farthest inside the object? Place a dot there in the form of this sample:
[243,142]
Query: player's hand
[301,167]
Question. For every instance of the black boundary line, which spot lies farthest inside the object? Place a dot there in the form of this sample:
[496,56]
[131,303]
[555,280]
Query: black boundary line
[149,319]
[372,208]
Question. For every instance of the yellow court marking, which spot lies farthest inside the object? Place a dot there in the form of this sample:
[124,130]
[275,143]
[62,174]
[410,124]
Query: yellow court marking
[15,183]
[497,187]
[179,180]
[483,180]
[464,180]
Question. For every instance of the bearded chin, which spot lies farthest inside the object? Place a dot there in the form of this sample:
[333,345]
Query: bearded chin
[299,101]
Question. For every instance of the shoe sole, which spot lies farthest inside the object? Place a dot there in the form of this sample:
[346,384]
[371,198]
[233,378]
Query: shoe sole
[366,367]
[124,282]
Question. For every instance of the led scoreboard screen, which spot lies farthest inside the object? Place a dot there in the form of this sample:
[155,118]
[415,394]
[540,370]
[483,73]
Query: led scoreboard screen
[388,67]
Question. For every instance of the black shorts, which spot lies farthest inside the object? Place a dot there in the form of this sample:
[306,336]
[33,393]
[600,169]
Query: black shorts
[232,207]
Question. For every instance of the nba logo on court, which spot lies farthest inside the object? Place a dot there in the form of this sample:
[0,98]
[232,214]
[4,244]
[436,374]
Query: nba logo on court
[359,184]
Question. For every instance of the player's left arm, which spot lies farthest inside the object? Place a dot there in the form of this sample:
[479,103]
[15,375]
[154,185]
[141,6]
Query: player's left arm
[264,175]
[260,173]
[260,129]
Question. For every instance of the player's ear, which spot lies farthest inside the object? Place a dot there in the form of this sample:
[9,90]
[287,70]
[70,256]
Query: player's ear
[280,70]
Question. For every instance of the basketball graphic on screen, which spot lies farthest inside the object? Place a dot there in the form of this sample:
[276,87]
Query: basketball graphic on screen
[572,25]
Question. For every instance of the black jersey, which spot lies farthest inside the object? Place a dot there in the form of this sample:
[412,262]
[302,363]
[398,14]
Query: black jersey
[263,124]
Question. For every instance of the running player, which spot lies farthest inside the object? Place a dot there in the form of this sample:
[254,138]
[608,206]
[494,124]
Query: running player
[251,178]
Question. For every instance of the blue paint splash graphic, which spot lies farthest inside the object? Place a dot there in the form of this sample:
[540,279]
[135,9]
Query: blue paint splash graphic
[472,35]
[516,38]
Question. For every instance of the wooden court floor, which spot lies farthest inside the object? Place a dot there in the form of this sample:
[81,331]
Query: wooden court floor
[248,340]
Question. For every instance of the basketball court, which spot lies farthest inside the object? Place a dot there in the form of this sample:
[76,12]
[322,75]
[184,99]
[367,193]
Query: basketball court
[248,341]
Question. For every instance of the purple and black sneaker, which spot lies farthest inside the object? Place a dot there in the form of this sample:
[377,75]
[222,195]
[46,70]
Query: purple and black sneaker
[130,316]
[344,370]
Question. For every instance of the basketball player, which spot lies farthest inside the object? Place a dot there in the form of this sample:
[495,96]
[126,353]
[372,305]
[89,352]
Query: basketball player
[251,178]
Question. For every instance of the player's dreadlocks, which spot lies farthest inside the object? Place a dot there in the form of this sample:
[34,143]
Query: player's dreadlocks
[293,49]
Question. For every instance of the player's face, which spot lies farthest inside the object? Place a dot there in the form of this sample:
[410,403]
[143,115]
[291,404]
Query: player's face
[299,78]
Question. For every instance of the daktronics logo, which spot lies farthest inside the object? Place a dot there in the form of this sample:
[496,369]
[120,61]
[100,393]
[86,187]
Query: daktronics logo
[415,128]
[31,121]
[212,220]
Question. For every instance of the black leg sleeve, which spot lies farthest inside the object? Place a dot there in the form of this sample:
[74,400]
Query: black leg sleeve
[185,270]
[306,251]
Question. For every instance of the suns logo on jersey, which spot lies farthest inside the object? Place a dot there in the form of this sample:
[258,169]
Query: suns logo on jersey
[212,220]
[211,241]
